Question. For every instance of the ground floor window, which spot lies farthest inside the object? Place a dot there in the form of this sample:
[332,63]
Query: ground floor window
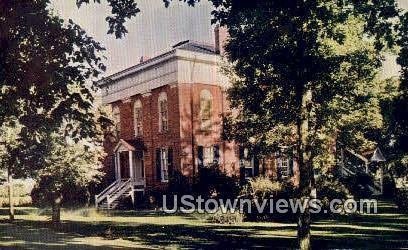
[247,163]
[283,165]
[163,163]
[208,155]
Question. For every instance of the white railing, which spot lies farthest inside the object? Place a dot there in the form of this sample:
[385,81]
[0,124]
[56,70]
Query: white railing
[123,188]
[102,195]
[117,189]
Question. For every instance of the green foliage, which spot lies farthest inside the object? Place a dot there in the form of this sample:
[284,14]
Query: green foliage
[401,199]
[179,184]
[328,189]
[358,184]
[229,217]
[68,169]
[211,182]
[261,188]
[47,74]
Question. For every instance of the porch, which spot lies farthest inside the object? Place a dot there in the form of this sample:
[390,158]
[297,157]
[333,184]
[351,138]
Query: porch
[129,175]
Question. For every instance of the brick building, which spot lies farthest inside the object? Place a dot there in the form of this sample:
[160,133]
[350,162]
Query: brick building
[168,111]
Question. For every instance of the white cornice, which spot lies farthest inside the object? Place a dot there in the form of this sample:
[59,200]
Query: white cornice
[174,67]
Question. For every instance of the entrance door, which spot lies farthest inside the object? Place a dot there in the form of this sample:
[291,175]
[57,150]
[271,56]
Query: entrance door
[138,166]
[124,165]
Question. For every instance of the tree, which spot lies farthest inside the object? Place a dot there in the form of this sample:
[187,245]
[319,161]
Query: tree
[9,134]
[303,77]
[399,116]
[67,166]
[47,68]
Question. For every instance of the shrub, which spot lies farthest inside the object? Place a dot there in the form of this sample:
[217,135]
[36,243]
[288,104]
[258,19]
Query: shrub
[21,201]
[388,186]
[212,183]
[179,184]
[328,189]
[357,185]
[261,188]
[229,217]
[401,199]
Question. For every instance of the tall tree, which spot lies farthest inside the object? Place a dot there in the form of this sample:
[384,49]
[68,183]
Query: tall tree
[303,76]
[67,166]
[47,68]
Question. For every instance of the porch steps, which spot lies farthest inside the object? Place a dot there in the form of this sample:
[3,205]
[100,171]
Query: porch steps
[113,197]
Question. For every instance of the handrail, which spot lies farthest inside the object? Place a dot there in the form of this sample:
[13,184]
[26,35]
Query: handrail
[122,189]
[347,170]
[106,191]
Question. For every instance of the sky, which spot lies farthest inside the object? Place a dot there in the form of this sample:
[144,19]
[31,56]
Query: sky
[154,29]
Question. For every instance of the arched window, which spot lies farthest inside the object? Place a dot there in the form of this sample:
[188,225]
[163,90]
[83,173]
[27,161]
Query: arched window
[138,118]
[163,112]
[206,109]
[116,120]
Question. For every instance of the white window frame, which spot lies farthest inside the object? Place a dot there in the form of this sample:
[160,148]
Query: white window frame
[163,114]
[206,97]
[164,164]
[208,156]
[116,118]
[138,118]
[283,165]
[247,166]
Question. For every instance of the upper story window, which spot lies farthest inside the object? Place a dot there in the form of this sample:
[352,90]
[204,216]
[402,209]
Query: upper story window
[116,120]
[163,112]
[138,118]
[206,109]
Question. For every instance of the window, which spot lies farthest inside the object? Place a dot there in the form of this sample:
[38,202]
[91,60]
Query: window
[282,165]
[116,120]
[138,118]
[164,165]
[206,109]
[163,112]
[248,164]
[208,156]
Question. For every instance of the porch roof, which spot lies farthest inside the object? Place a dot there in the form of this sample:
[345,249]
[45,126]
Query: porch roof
[129,145]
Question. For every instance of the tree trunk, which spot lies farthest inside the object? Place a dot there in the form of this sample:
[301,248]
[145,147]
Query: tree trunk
[305,169]
[10,194]
[56,210]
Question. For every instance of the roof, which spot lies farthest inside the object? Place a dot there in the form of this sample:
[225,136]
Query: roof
[195,47]
[186,45]
[129,145]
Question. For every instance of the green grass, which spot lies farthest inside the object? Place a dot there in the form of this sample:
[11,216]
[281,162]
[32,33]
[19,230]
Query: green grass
[88,229]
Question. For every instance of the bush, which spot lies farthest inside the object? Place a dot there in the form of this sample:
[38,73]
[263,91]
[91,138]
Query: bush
[21,201]
[357,185]
[212,183]
[401,199]
[388,186]
[179,184]
[261,188]
[328,189]
[229,217]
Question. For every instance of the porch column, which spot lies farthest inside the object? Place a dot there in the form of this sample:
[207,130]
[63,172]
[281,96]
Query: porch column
[132,194]
[118,177]
[131,165]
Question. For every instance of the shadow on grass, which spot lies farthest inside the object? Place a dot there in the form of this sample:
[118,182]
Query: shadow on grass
[379,231]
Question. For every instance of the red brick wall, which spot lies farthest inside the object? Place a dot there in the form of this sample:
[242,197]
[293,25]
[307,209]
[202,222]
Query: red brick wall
[191,126]
[182,127]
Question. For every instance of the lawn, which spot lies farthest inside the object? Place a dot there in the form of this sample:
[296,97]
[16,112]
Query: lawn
[86,229]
